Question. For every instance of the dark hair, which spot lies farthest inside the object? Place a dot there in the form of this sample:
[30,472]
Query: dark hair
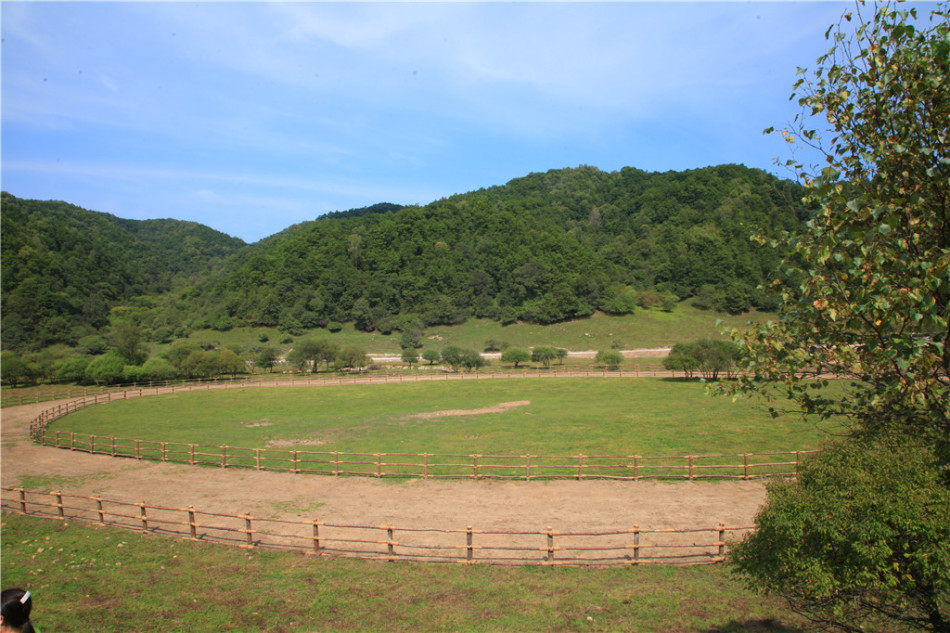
[16,610]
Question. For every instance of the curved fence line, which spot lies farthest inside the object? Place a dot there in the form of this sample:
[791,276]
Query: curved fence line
[340,379]
[405,465]
[625,546]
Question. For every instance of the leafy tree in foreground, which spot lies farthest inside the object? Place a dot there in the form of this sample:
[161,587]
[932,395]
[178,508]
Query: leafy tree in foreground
[410,356]
[869,305]
[863,536]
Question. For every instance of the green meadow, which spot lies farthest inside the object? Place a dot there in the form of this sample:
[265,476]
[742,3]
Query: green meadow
[548,416]
[115,581]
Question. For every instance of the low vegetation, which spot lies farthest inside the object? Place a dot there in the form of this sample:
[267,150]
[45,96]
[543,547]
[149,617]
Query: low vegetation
[555,417]
[129,583]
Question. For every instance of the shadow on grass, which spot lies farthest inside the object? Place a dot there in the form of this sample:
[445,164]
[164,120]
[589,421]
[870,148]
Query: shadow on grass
[764,625]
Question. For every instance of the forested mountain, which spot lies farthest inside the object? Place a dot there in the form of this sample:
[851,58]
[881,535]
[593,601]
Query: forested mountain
[65,268]
[543,248]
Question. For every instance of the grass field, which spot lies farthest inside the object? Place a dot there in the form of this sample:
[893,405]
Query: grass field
[90,578]
[642,329]
[563,416]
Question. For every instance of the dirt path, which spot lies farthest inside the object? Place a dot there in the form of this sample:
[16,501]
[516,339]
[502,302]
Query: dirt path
[513,505]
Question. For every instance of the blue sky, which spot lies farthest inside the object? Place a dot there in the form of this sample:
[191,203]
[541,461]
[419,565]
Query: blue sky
[251,117]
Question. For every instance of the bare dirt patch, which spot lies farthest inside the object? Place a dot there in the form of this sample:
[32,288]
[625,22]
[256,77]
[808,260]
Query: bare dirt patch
[501,407]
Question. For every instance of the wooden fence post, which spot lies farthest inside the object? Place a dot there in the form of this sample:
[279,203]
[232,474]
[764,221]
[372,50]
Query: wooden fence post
[336,463]
[722,538]
[224,456]
[690,467]
[59,504]
[22,500]
[527,467]
[113,447]
[92,444]
[425,465]
[389,541]
[316,537]
[248,530]
[745,466]
[143,516]
[102,516]
[294,455]
[164,453]
[475,466]
[379,465]
[138,447]
[257,458]
[550,544]
[192,522]
[580,466]
[468,543]
[636,543]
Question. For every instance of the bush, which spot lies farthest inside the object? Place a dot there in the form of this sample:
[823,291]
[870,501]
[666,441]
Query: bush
[609,357]
[107,369]
[862,534]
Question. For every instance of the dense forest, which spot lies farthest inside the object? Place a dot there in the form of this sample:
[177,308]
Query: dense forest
[65,269]
[543,248]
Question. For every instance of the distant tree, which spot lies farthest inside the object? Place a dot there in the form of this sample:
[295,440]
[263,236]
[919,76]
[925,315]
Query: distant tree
[93,345]
[410,338]
[544,355]
[72,369]
[681,358]
[609,357]
[515,355]
[127,340]
[159,369]
[561,355]
[266,357]
[353,357]
[472,360]
[107,369]
[431,355]
[493,345]
[231,363]
[710,358]
[410,356]
[453,357]
[14,370]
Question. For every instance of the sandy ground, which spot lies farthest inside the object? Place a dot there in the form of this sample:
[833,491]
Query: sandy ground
[513,505]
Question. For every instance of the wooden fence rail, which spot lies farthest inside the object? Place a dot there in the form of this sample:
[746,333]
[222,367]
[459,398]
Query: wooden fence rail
[437,466]
[407,465]
[631,545]
[121,392]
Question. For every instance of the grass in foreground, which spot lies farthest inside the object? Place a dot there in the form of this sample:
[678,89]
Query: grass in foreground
[561,416]
[89,578]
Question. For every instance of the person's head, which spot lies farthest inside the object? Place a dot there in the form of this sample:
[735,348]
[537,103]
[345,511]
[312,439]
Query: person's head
[15,611]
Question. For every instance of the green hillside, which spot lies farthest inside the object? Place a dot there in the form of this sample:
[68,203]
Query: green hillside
[541,249]
[65,268]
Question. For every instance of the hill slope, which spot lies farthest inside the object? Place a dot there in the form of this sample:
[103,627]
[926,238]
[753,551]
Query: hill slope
[64,267]
[543,248]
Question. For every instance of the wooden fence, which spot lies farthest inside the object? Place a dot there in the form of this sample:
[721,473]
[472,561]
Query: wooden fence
[275,380]
[548,546]
[437,465]
[406,465]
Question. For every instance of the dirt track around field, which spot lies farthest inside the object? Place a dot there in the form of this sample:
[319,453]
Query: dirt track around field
[486,505]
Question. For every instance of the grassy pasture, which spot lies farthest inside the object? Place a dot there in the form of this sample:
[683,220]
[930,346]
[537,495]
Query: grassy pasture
[91,578]
[642,329]
[562,416]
